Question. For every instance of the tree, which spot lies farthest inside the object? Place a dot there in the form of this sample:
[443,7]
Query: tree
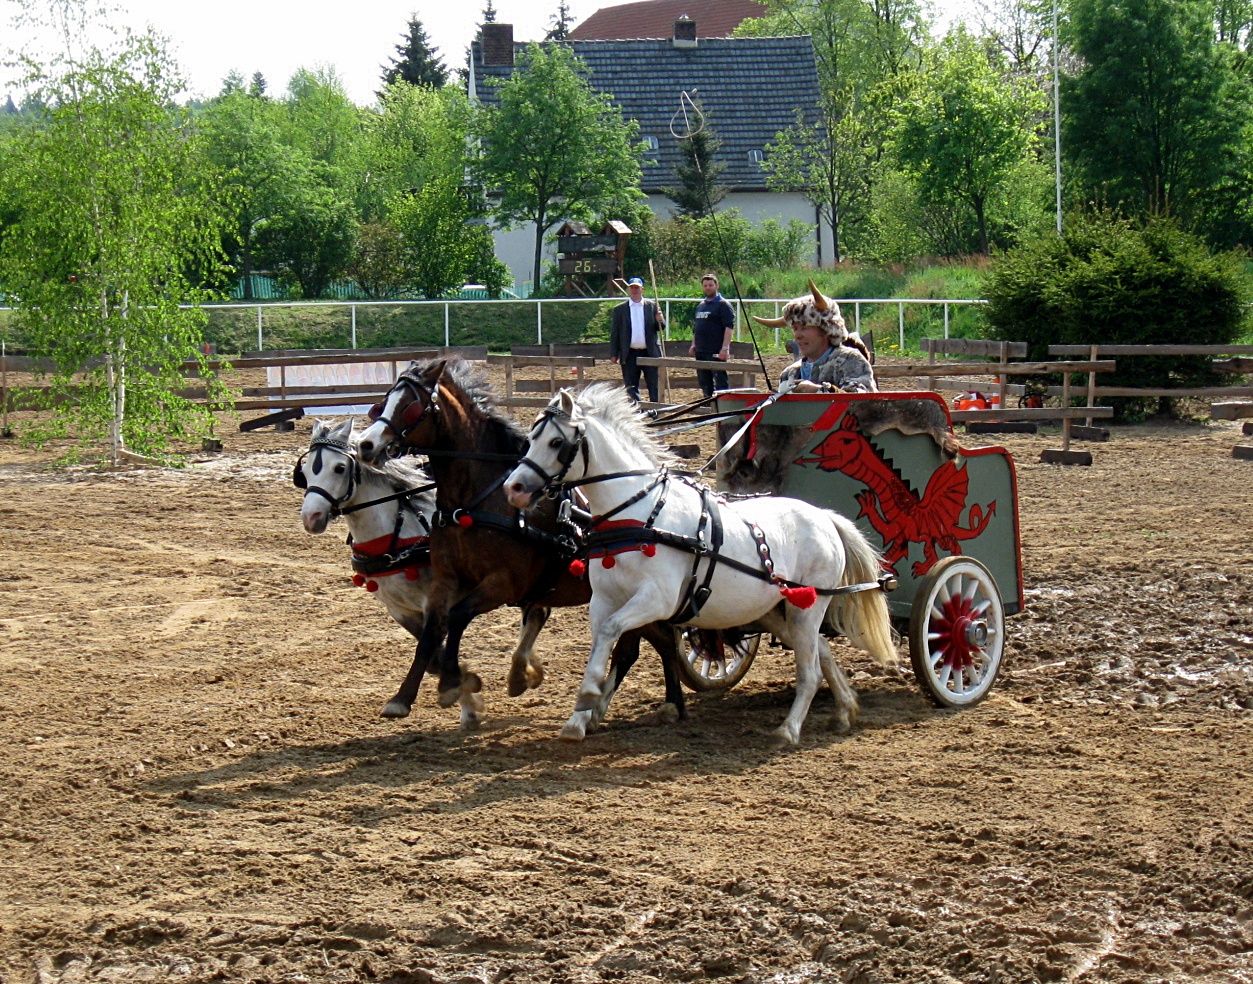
[416,62]
[113,213]
[698,190]
[830,165]
[1155,118]
[257,87]
[560,23]
[965,130]
[242,142]
[308,237]
[553,138]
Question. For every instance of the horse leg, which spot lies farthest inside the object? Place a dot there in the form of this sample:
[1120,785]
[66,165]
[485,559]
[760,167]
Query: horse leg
[429,639]
[607,625]
[800,631]
[846,706]
[452,685]
[665,640]
[527,670]
[625,652]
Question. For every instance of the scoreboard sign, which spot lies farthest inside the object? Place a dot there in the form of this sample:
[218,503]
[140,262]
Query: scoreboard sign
[588,265]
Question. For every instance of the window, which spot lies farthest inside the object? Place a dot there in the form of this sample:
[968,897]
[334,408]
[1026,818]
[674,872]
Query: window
[755,156]
[650,143]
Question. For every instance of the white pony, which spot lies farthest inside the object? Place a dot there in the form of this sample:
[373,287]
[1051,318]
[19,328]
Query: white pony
[387,509]
[653,535]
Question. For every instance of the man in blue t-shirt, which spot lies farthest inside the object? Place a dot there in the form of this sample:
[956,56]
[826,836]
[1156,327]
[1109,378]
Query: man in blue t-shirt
[711,335]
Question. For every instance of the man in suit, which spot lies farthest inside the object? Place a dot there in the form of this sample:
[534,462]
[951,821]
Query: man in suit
[633,333]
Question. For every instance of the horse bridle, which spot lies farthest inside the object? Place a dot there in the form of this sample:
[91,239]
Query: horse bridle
[427,397]
[354,476]
[569,450]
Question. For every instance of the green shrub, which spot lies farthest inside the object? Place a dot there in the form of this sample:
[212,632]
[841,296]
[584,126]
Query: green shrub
[1109,281]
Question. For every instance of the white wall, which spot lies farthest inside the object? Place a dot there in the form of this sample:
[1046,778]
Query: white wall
[516,247]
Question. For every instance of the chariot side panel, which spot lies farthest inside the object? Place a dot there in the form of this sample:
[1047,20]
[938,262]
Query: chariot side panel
[878,459]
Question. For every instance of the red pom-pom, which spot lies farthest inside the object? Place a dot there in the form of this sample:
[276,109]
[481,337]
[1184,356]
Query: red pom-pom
[800,597]
[465,522]
[359,580]
[411,573]
[371,586]
[649,550]
[577,568]
[608,561]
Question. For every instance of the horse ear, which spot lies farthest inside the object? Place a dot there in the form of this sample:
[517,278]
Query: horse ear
[431,374]
[320,427]
[342,431]
[565,402]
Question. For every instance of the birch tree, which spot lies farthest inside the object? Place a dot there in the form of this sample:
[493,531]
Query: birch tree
[114,230]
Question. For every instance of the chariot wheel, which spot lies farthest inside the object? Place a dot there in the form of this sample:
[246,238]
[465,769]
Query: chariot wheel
[707,661]
[957,632]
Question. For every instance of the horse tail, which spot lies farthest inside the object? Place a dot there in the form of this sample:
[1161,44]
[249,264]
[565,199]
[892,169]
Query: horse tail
[862,616]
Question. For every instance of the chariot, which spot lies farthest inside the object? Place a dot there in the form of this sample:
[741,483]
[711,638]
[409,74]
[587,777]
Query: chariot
[945,518]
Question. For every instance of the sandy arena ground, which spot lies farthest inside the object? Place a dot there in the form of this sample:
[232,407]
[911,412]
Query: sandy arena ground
[196,785]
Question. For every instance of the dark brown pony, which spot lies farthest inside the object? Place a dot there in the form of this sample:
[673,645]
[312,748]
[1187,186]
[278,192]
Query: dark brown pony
[483,554]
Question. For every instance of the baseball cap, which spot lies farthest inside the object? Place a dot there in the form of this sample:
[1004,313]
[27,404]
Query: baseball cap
[635,282]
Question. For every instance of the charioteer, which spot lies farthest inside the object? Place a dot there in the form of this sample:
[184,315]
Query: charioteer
[831,360]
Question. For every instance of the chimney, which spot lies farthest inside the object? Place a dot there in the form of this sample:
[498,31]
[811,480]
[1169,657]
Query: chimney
[498,45]
[685,32]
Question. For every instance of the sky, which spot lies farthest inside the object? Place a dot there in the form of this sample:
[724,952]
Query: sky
[357,38]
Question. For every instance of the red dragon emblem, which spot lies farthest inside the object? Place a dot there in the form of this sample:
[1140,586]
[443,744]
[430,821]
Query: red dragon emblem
[895,511]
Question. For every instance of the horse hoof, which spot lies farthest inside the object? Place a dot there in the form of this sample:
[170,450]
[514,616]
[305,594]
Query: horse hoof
[840,724]
[588,700]
[573,731]
[667,714]
[784,735]
[395,709]
[471,683]
[517,687]
[470,722]
[449,697]
[534,677]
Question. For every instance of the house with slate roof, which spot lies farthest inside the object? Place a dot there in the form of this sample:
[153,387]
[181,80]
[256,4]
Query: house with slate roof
[750,89]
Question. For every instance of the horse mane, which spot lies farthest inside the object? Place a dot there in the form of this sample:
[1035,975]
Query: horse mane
[477,388]
[399,473]
[610,402]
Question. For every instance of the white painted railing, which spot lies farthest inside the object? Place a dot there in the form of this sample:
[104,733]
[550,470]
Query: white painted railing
[538,303]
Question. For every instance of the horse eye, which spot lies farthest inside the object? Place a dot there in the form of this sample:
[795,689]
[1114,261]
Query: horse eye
[339,469]
[376,411]
[556,442]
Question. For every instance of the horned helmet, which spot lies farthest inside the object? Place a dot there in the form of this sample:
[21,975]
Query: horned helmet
[811,309]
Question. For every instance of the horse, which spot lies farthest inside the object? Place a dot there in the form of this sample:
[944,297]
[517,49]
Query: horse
[484,553]
[387,510]
[721,568]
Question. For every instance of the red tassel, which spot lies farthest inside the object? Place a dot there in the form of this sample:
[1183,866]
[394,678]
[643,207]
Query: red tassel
[649,550]
[359,580]
[465,522]
[577,568]
[371,586]
[608,562]
[800,597]
[411,573]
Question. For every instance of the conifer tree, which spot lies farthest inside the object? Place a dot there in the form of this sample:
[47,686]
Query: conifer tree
[416,62]
[698,190]
[560,29]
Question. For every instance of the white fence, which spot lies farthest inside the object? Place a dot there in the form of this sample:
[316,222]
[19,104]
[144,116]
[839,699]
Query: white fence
[539,304]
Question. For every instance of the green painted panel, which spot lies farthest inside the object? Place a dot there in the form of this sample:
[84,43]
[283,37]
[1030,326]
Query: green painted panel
[911,501]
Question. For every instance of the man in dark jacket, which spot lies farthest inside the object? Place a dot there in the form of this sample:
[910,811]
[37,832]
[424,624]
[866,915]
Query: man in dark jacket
[712,329]
[633,333]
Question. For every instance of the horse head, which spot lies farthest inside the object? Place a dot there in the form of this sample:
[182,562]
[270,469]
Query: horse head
[328,473]
[406,415]
[552,449]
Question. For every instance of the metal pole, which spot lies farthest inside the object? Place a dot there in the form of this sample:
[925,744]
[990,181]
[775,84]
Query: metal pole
[739,316]
[539,322]
[901,311]
[260,347]
[946,319]
[856,317]
[667,320]
[447,343]
[1057,119]
[353,307]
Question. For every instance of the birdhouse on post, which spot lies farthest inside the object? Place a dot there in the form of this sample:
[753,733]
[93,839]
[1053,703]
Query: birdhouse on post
[590,262]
